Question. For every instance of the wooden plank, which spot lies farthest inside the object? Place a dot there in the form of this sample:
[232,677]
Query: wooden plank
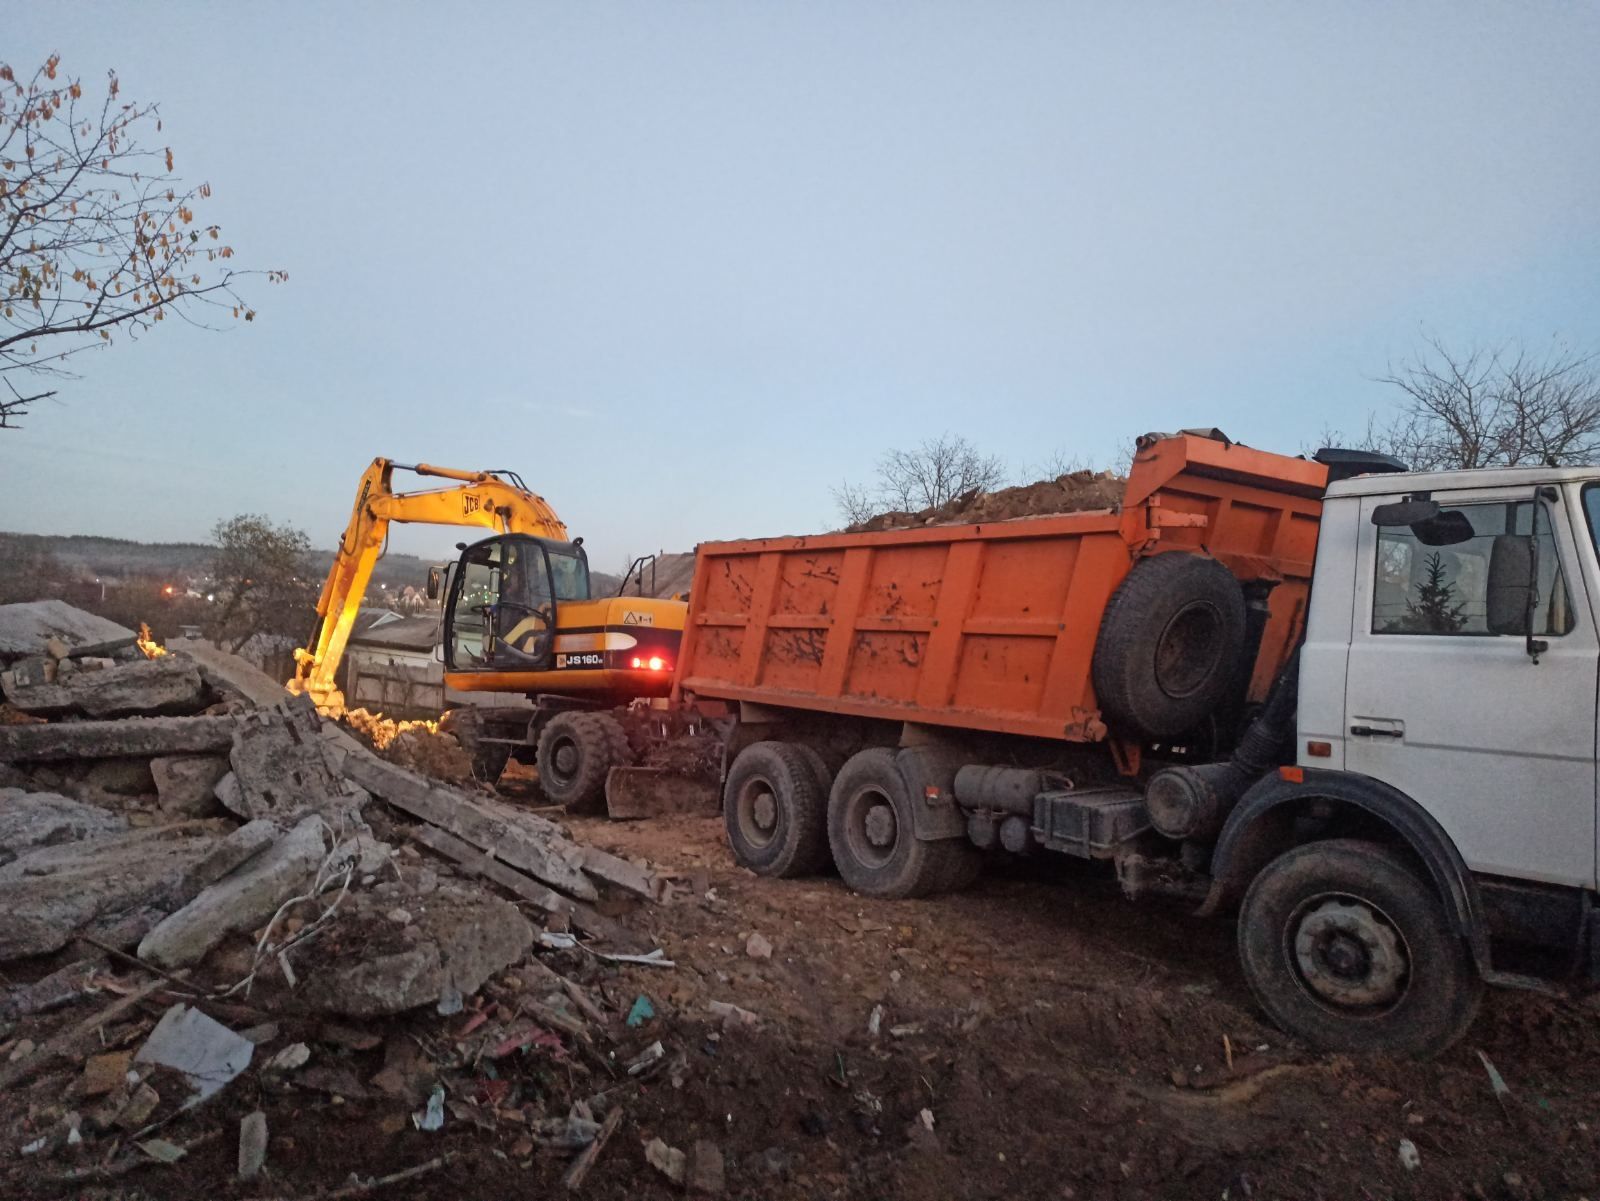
[63,1044]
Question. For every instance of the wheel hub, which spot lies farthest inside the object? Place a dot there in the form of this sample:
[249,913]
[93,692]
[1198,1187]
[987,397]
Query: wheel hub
[764,811]
[880,826]
[1348,954]
[566,759]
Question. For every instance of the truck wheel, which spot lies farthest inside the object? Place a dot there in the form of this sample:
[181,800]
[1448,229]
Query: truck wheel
[1346,947]
[775,812]
[1169,644]
[873,841]
[576,750]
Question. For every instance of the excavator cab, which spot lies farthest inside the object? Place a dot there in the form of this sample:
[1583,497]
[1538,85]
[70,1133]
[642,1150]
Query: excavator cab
[501,611]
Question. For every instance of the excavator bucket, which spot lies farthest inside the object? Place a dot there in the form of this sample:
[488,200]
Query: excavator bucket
[638,792]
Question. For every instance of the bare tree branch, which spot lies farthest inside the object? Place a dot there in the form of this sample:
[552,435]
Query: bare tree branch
[934,473]
[98,235]
[1489,407]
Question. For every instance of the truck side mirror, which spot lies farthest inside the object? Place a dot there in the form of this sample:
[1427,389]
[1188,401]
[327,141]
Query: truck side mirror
[1511,591]
[435,575]
[1428,523]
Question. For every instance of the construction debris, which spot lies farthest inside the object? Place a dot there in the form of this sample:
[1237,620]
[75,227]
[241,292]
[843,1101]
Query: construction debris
[204,1052]
[182,815]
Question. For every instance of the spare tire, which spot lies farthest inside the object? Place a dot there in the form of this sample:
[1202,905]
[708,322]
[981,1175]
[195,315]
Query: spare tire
[1169,645]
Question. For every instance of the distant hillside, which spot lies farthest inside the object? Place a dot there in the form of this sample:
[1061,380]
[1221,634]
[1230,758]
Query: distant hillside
[120,558]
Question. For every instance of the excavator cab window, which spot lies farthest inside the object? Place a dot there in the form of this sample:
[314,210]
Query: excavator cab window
[502,607]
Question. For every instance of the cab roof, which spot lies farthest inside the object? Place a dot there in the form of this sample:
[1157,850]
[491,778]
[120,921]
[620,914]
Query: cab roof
[1460,480]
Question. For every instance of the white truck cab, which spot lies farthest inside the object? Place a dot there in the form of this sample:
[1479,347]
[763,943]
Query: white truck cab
[1434,827]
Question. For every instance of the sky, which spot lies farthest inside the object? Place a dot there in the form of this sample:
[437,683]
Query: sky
[688,266]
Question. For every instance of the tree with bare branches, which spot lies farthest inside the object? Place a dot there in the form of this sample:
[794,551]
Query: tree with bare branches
[1492,407]
[924,477]
[98,235]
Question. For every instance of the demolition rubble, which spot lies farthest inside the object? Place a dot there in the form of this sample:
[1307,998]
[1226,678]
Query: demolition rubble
[196,870]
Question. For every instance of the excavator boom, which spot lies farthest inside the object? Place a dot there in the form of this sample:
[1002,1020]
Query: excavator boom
[493,500]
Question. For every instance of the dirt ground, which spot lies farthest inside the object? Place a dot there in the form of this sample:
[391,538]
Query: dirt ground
[1061,1042]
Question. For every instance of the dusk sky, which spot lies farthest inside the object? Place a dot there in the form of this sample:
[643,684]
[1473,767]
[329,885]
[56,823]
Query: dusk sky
[688,266]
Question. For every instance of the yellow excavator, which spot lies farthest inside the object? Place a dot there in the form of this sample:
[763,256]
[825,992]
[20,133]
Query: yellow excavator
[519,617]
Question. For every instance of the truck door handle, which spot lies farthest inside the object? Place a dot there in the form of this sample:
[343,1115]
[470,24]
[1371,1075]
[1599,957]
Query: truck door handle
[1376,732]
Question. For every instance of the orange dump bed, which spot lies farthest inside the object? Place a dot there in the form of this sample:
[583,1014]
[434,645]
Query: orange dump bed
[990,627]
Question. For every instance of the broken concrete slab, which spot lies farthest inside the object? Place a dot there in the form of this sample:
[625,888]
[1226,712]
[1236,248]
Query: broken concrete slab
[25,628]
[39,819]
[199,1048]
[151,687]
[280,769]
[243,677]
[186,784]
[67,740]
[485,824]
[456,941]
[115,887]
[241,900]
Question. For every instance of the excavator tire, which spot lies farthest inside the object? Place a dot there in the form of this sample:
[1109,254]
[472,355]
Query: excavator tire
[576,750]
[1169,645]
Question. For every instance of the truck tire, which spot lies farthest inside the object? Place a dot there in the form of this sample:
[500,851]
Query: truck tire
[1347,947]
[870,833]
[1169,645]
[576,750]
[775,812]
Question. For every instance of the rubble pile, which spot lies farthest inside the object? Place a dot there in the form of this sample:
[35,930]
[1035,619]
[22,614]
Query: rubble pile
[1075,492]
[210,875]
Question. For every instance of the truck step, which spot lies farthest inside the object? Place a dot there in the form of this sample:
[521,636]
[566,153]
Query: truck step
[1089,822]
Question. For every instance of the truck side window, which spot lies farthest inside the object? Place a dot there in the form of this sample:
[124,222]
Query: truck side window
[1422,589]
[571,573]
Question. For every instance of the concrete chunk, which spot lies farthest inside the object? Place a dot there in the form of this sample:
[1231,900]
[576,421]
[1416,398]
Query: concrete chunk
[148,687]
[25,628]
[233,851]
[457,940]
[115,886]
[186,784]
[252,1145]
[58,741]
[280,769]
[39,819]
[239,901]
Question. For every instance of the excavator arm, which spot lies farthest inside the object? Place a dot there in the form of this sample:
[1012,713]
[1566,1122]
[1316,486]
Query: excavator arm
[491,500]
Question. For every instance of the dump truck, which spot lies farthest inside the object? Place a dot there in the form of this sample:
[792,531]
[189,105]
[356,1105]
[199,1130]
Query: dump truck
[1355,706]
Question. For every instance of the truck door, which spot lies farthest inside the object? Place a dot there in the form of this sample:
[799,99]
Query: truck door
[1498,747]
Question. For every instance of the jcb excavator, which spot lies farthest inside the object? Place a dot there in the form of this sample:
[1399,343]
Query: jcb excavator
[518,617]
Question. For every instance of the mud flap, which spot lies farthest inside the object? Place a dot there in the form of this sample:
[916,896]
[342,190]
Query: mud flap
[930,775]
